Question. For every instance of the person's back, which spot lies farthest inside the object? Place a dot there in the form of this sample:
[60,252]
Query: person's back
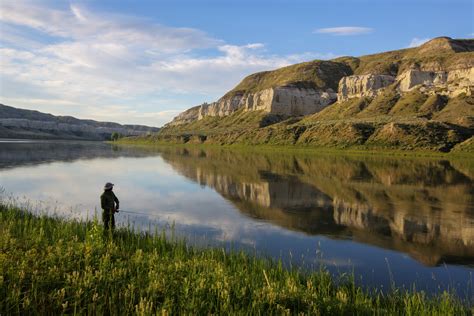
[110,205]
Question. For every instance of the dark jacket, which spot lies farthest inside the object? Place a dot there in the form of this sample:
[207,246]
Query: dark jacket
[108,201]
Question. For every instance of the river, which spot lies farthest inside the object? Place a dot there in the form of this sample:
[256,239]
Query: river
[393,222]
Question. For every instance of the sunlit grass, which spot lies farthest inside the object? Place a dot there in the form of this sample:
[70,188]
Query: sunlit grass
[50,266]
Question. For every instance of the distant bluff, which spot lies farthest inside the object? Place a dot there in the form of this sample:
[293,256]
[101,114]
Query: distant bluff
[20,123]
[410,99]
[442,66]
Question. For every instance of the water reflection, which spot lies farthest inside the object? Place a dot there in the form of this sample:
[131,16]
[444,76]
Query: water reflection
[361,213]
[423,208]
[19,153]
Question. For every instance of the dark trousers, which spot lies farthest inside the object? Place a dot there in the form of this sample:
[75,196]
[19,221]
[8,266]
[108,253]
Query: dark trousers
[109,219]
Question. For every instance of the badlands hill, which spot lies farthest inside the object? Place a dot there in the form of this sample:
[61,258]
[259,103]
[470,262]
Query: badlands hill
[417,98]
[19,123]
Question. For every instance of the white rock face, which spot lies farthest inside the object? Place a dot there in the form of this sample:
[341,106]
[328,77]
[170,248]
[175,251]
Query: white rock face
[287,101]
[220,108]
[452,83]
[362,86]
[185,117]
[295,102]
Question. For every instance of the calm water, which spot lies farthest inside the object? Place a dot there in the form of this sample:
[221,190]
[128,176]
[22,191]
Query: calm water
[391,220]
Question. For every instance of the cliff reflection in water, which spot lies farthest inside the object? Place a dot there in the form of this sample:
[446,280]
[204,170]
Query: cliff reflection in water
[420,207]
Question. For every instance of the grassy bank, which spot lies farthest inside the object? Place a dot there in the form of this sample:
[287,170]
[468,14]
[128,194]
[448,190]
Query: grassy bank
[50,265]
[150,142]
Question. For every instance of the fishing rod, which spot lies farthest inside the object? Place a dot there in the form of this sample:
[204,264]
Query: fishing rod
[141,213]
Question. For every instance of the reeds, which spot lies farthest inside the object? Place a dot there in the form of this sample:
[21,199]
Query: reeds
[52,266]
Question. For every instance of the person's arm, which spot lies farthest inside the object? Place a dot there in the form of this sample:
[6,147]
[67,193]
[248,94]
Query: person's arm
[103,202]
[116,202]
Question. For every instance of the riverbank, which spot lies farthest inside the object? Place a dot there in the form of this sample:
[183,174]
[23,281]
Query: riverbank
[149,142]
[50,265]
[410,133]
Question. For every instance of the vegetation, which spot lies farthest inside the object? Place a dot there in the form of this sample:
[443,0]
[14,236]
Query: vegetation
[412,121]
[444,52]
[313,74]
[47,126]
[115,136]
[390,120]
[52,266]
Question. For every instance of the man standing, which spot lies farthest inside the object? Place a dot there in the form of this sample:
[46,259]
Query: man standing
[110,205]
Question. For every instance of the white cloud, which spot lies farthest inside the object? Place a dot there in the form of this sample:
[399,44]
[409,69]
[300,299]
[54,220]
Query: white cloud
[415,42]
[118,113]
[344,30]
[83,62]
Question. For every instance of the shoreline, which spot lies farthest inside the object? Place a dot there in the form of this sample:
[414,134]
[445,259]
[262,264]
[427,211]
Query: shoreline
[53,265]
[299,149]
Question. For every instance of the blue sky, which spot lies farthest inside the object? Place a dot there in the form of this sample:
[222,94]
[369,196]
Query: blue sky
[145,61]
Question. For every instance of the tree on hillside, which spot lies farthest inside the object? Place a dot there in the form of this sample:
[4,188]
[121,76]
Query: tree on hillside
[115,136]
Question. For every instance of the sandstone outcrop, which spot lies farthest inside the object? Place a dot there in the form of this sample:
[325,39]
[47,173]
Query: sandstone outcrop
[452,83]
[285,101]
[362,86]
[188,116]
[295,90]
[415,98]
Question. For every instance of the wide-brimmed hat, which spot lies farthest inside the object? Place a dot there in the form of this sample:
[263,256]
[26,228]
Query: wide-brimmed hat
[108,186]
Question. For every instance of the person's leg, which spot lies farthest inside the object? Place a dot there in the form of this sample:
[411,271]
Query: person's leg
[106,219]
[112,220]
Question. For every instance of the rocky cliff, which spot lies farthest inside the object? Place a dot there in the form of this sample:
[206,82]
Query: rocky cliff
[287,101]
[284,101]
[359,86]
[295,90]
[441,66]
[310,87]
[19,123]
[451,83]
[417,98]
[186,117]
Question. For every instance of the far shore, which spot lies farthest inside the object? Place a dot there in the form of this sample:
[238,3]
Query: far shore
[300,149]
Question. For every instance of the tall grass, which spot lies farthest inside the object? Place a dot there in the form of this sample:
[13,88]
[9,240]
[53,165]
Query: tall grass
[51,266]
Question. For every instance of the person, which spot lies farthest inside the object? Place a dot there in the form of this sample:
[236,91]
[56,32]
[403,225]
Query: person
[110,206]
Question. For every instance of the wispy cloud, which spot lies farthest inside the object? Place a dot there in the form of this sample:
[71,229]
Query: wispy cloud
[415,42]
[94,59]
[344,30]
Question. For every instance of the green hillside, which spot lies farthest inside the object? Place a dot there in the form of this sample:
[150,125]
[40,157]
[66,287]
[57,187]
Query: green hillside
[444,52]
[313,74]
[390,120]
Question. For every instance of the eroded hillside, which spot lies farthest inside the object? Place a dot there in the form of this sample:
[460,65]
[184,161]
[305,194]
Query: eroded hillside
[417,98]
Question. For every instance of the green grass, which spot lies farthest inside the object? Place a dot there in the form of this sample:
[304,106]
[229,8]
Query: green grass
[313,74]
[151,143]
[53,266]
[422,122]
[326,74]
[411,122]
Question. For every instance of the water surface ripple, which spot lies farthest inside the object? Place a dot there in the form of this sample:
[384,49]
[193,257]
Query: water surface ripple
[393,221]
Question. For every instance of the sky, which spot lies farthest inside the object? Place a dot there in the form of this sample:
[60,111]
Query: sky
[144,62]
